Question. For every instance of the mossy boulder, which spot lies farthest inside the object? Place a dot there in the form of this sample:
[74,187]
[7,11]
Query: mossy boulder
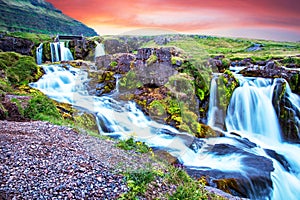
[85,121]
[102,82]
[287,112]
[130,81]
[19,69]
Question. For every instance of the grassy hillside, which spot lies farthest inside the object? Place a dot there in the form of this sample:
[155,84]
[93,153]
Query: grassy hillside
[231,48]
[38,16]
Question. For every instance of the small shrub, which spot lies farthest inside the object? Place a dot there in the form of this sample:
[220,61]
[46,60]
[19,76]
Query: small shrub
[130,144]
[40,107]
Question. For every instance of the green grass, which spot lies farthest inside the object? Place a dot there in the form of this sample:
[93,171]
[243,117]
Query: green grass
[130,144]
[36,38]
[19,69]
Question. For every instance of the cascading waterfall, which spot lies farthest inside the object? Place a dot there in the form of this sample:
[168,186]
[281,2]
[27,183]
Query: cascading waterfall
[216,113]
[39,54]
[251,110]
[59,52]
[244,157]
[252,114]
[99,50]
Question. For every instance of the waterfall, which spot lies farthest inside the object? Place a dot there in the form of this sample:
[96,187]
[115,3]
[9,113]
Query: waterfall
[251,110]
[252,114]
[266,167]
[39,54]
[59,52]
[99,50]
[216,113]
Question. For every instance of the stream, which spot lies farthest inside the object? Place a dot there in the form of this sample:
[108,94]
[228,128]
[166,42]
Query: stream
[252,150]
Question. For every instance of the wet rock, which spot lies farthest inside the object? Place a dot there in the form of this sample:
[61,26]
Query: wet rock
[287,112]
[104,61]
[256,174]
[124,63]
[271,70]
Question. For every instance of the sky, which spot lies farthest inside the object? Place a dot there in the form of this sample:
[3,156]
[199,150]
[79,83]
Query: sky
[261,19]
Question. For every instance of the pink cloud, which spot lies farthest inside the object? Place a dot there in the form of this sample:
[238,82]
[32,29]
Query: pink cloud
[185,15]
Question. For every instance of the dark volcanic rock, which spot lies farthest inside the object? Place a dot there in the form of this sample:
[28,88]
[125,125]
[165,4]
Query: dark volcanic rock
[271,70]
[18,45]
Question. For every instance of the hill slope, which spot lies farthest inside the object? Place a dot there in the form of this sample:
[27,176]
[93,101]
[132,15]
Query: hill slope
[38,16]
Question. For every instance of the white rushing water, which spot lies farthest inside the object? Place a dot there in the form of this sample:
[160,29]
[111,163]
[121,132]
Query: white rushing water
[39,54]
[99,50]
[59,52]
[252,114]
[124,120]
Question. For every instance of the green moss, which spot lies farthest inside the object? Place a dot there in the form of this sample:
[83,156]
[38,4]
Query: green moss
[157,108]
[130,144]
[129,81]
[40,107]
[152,59]
[181,84]
[36,38]
[227,83]
[46,51]
[113,63]
[175,59]
[20,69]
[226,63]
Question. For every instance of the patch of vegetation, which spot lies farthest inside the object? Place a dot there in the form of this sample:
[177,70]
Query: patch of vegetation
[35,38]
[129,81]
[152,59]
[137,182]
[113,63]
[187,188]
[130,144]
[40,107]
[19,69]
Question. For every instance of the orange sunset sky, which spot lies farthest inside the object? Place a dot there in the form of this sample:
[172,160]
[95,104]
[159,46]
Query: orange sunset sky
[265,19]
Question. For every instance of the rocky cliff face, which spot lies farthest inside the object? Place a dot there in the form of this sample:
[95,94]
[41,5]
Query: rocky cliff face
[38,16]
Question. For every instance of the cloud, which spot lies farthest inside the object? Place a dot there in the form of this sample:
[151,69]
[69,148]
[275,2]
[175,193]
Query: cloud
[186,16]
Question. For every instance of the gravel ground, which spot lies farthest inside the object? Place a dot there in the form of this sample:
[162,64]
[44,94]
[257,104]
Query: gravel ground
[44,161]
[39,160]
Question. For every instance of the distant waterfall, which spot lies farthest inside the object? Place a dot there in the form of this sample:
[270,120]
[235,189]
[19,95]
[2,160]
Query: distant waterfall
[216,113]
[99,50]
[39,54]
[59,52]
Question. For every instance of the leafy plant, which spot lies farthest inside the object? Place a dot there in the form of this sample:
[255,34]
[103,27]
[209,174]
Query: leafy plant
[130,144]
[40,107]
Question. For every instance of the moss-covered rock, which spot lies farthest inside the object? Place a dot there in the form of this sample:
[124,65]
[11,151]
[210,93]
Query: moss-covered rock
[130,81]
[226,85]
[40,107]
[19,69]
[287,112]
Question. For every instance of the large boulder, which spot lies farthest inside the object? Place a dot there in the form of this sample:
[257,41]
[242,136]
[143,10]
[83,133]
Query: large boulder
[287,111]
[19,45]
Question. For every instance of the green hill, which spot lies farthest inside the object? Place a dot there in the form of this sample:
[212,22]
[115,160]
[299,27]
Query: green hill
[38,16]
